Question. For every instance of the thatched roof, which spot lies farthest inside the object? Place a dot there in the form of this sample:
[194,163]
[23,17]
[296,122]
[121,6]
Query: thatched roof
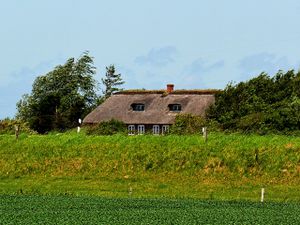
[164,92]
[156,104]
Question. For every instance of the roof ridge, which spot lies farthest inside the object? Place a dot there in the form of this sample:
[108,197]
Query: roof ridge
[164,92]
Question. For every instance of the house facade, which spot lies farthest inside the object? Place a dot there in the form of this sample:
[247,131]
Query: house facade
[154,110]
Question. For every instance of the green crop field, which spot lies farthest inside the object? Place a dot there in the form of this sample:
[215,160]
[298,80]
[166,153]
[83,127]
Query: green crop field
[94,210]
[227,167]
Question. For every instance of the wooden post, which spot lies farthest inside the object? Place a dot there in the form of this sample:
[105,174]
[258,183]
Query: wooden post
[204,131]
[17,131]
[78,128]
[262,195]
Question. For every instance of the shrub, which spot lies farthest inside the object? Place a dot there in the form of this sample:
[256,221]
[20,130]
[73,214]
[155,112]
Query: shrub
[187,124]
[107,128]
[7,126]
[251,122]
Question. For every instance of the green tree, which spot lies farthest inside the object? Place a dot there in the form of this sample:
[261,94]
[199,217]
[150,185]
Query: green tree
[261,104]
[111,82]
[61,96]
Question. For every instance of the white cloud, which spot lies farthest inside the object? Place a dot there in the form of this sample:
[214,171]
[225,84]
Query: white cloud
[158,57]
[263,62]
[200,66]
[200,73]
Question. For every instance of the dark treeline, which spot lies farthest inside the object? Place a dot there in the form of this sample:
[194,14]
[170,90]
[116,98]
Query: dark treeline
[263,104]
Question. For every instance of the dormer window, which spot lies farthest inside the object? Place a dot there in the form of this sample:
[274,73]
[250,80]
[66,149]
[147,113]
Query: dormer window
[138,107]
[175,107]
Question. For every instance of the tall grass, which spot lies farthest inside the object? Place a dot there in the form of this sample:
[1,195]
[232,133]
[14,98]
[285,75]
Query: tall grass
[223,159]
[80,154]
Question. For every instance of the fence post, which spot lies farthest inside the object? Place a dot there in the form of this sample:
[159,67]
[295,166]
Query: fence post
[78,128]
[262,195]
[204,131]
[17,131]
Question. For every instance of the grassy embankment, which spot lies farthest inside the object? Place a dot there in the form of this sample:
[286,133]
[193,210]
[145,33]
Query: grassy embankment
[226,167]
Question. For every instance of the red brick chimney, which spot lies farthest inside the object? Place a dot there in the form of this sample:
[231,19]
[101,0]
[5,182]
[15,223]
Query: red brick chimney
[170,88]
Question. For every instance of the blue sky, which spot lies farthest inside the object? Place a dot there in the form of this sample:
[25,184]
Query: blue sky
[192,43]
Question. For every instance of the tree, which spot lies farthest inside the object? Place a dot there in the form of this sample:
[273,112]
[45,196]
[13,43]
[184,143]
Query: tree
[261,104]
[62,96]
[111,82]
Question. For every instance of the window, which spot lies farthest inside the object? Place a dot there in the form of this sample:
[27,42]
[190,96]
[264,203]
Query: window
[165,129]
[175,107]
[141,129]
[155,129]
[131,130]
[138,107]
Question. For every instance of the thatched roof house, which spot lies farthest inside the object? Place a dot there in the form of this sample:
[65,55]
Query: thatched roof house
[141,109]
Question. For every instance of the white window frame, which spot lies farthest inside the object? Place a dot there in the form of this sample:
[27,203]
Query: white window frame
[138,107]
[176,108]
[131,129]
[141,129]
[156,129]
[165,129]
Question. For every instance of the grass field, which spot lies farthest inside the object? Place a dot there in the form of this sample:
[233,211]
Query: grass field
[95,210]
[227,167]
